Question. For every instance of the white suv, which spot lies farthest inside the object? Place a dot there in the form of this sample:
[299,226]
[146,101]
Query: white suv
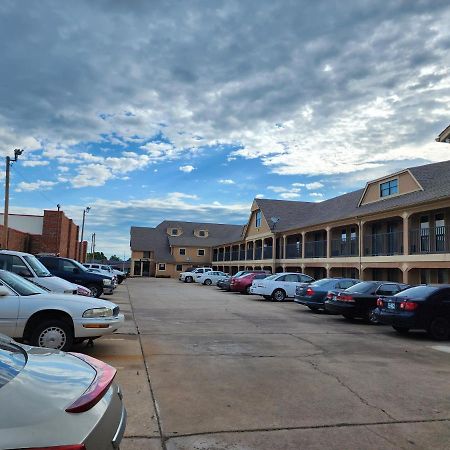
[188,277]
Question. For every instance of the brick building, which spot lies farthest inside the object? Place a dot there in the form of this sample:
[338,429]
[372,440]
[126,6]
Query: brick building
[53,232]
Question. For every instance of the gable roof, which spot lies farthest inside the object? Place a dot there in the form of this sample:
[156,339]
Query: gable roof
[217,233]
[151,239]
[444,136]
[434,178]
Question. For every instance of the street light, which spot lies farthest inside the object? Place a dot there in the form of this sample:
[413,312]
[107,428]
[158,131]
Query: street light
[9,161]
[85,211]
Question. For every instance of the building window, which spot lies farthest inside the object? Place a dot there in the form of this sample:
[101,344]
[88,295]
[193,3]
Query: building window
[202,233]
[179,268]
[439,222]
[344,235]
[201,252]
[174,231]
[182,251]
[258,219]
[389,188]
[424,234]
[161,267]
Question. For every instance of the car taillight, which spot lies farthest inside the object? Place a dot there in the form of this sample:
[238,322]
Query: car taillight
[380,302]
[58,447]
[346,298]
[93,394]
[408,306]
[309,291]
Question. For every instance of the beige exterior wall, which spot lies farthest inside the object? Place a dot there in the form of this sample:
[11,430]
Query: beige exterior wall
[406,184]
[191,257]
[252,230]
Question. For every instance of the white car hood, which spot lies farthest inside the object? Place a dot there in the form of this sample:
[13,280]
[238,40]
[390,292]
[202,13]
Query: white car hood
[77,300]
[55,284]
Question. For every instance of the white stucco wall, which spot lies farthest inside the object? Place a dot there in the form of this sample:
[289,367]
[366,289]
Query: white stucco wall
[27,224]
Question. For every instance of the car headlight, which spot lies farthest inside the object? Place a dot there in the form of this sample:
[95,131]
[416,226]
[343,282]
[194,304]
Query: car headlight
[98,312]
[107,282]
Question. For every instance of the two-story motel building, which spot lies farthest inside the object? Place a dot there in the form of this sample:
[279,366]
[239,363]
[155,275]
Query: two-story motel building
[396,228]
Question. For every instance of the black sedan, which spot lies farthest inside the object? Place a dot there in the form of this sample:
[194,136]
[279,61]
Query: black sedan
[360,300]
[314,295]
[420,307]
[224,284]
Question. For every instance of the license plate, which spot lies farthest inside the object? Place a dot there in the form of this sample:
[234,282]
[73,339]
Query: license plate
[391,305]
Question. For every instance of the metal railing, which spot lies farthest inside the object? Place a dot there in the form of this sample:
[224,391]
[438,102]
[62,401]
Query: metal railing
[258,252]
[250,254]
[268,252]
[430,240]
[316,249]
[293,251]
[227,256]
[383,244]
[241,255]
[344,248]
[234,255]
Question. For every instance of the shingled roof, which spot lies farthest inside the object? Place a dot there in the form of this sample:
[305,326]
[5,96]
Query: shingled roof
[151,239]
[434,179]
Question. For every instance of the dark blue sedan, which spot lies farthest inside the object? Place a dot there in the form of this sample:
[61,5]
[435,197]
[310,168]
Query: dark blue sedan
[314,295]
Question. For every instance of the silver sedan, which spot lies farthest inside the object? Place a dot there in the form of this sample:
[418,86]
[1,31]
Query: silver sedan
[55,400]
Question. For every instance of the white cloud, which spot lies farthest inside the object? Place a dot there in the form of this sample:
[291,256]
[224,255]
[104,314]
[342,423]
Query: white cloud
[316,194]
[34,186]
[289,195]
[315,185]
[33,163]
[186,169]
[259,196]
[226,181]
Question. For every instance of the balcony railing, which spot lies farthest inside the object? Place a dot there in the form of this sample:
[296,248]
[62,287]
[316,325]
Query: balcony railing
[220,257]
[258,253]
[383,244]
[234,255]
[215,257]
[250,254]
[293,251]
[267,253]
[316,249]
[344,248]
[227,256]
[430,240]
[241,255]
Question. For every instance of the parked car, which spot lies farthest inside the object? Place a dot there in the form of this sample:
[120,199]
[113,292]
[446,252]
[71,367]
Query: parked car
[28,266]
[314,295]
[106,274]
[419,307]
[188,276]
[75,272]
[224,283]
[56,400]
[243,283]
[210,278]
[45,319]
[360,300]
[105,268]
[280,286]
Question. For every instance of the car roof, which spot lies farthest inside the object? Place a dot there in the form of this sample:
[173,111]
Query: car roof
[13,252]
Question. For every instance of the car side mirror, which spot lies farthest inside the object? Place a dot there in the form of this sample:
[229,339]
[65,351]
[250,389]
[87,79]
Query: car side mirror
[4,291]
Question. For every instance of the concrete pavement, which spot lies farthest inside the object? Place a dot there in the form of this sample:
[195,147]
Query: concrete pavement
[205,369]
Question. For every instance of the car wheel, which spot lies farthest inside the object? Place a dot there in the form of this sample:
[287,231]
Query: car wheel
[188,280]
[208,282]
[53,333]
[439,329]
[313,308]
[278,295]
[95,291]
[401,330]
[247,290]
[267,297]
[372,317]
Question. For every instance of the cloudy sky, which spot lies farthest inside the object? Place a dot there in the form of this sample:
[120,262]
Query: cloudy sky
[152,110]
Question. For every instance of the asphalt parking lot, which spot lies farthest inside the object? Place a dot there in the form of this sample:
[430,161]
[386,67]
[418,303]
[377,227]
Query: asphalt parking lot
[205,369]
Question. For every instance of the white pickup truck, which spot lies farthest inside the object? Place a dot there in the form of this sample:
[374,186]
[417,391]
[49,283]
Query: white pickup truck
[188,277]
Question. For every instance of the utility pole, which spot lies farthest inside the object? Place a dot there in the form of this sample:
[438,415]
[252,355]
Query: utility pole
[85,211]
[9,161]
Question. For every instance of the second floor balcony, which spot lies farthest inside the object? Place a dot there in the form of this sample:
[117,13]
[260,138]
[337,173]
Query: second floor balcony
[383,244]
[430,240]
[341,247]
[316,249]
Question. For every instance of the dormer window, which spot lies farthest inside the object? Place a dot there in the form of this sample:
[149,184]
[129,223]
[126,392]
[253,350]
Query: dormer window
[258,219]
[201,233]
[389,188]
[174,232]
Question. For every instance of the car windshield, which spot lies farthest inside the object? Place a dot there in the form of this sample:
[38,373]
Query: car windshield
[272,277]
[39,268]
[80,266]
[417,292]
[325,283]
[12,361]
[20,285]
[364,286]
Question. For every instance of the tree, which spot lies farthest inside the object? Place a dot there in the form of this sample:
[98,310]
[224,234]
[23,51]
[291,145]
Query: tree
[97,256]
[115,258]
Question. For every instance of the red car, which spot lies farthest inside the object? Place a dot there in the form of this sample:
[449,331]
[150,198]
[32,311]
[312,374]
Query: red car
[243,283]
